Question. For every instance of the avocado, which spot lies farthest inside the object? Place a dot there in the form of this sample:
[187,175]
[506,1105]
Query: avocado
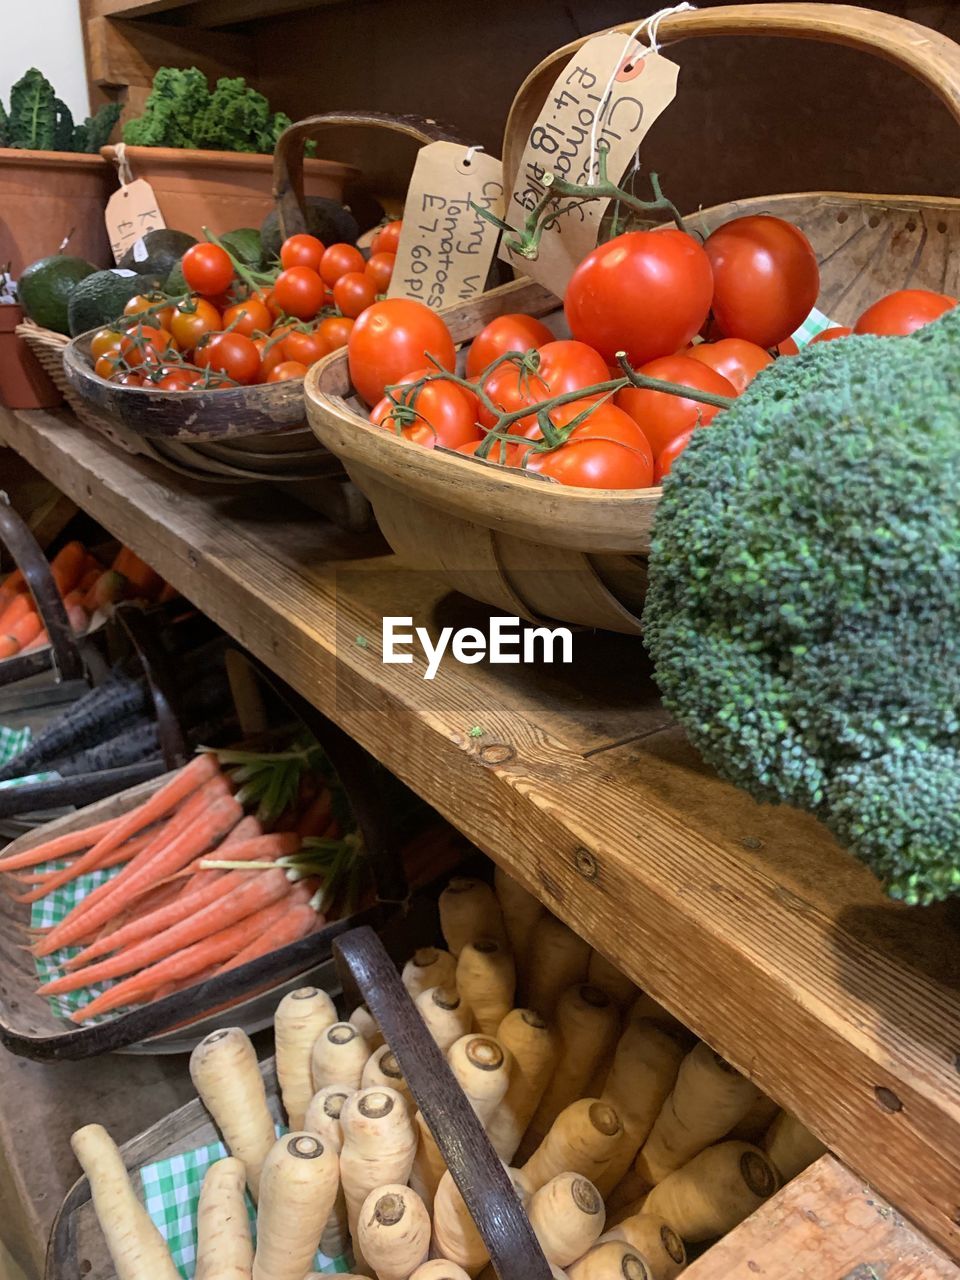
[45,288]
[101,297]
[175,284]
[326,219]
[244,244]
[163,248]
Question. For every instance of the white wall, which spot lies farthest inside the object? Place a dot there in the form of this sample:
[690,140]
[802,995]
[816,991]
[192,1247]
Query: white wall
[44,34]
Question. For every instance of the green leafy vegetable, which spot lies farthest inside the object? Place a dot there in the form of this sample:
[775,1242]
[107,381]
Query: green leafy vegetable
[181,111]
[95,131]
[63,128]
[33,113]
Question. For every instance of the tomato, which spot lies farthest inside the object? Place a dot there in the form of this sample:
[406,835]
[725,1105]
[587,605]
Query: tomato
[145,344]
[827,335]
[664,416]
[765,278]
[564,365]
[391,338]
[304,348]
[788,347]
[353,293]
[299,292]
[735,359]
[286,371]
[380,270]
[645,292]
[271,354]
[606,451]
[178,380]
[207,268]
[387,238]
[104,342]
[232,354]
[141,302]
[446,414]
[248,317]
[904,312]
[129,379]
[191,320]
[302,251]
[335,331]
[505,333]
[338,260]
[107,365]
[669,454]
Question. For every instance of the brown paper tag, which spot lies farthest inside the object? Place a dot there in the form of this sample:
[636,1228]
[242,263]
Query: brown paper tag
[560,143]
[446,247]
[131,212]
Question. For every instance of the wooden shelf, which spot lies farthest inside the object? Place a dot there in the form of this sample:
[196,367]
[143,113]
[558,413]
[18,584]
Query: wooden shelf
[748,922]
[206,13]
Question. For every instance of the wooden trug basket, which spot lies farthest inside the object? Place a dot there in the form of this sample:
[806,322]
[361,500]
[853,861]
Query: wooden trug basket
[546,552]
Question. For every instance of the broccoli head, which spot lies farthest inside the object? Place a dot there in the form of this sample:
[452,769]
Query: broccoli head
[804,605]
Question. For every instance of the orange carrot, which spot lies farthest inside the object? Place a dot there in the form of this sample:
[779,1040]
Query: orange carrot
[167,593]
[90,576]
[58,846]
[67,566]
[187,962]
[19,607]
[123,854]
[246,830]
[38,641]
[144,580]
[120,560]
[294,923]
[8,647]
[107,589]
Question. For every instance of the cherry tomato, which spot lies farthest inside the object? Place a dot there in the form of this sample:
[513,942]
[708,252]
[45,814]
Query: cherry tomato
[353,293]
[232,354]
[335,331]
[735,359]
[645,292]
[129,379]
[145,344]
[565,365]
[286,371]
[178,380]
[387,238]
[391,338]
[141,302]
[299,292]
[271,354]
[380,270]
[191,320]
[248,317]
[445,412]
[105,341]
[301,251]
[338,260]
[304,348]
[664,416]
[904,312]
[107,365]
[788,347]
[606,451]
[668,456]
[827,335]
[505,333]
[207,268]
[765,278]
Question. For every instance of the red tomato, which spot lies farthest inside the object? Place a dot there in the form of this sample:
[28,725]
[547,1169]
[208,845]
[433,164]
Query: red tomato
[207,268]
[335,331]
[105,342]
[145,344]
[161,318]
[646,293]
[664,416]
[387,238]
[565,365]
[827,335]
[446,414]
[286,371]
[178,380]
[788,347]
[766,278]
[248,317]
[380,270]
[271,354]
[505,333]
[606,451]
[353,293]
[191,320]
[904,312]
[301,251]
[299,292]
[735,359]
[107,365]
[304,348]
[391,338]
[338,260]
[668,456]
[130,379]
[232,354]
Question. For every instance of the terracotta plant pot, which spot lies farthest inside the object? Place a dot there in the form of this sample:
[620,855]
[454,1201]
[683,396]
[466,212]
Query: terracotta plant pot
[46,195]
[23,383]
[222,190]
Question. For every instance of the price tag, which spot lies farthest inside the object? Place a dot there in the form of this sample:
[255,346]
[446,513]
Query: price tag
[611,91]
[446,247]
[131,212]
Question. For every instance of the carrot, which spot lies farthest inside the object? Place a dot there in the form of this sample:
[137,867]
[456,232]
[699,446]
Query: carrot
[67,566]
[91,575]
[19,607]
[246,830]
[288,925]
[120,560]
[58,846]
[167,593]
[24,630]
[8,647]
[39,640]
[107,589]
[144,580]
[123,854]
[78,618]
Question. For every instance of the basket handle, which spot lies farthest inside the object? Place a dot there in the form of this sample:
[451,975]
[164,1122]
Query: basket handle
[367,970]
[927,55]
[16,536]
[288,157]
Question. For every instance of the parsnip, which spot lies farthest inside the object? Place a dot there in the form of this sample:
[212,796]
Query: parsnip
[567,1216]
[224,1071]
[224,1247]
[339,1056]
[440,1269]
[379,1143]
[323,1119]
[394,1231]
[298,1190]
[756,1122]
[612,1260]
[790,1147]
[469,910]
[487,982]
[651,1010]
[558,960]
[455,1235]
[521,911]
[429,967]
[447,1016]
[532,1047]
[382,1070]
[429,1165]
[134,1243]
[603,973]
[366,1024]
[714,1192]
[583,1139]
[301,1016]
[482,1070]
[656,1242]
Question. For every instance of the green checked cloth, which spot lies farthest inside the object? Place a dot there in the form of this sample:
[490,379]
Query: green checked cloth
[815,323]
[50,911]
[172,1192]
[12,742]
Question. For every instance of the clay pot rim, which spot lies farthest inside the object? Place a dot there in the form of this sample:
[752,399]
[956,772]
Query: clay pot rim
[164,156]
[50,159]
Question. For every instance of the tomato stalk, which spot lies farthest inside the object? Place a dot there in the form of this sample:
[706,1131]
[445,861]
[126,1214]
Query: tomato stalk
[254,280]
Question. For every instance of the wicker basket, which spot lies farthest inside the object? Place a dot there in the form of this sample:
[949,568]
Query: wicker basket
[545,552]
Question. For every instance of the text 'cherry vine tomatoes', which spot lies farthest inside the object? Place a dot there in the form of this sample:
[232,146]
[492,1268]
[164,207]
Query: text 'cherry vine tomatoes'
[232,354]
[606,451]
[302,251]
[904,312]
[387,238]
[505,333]
[735,359]
[299,292]
[391,338]
[248,317]
[646,293]
[207,269]
[766,278]
[380,270]
[446,414]
[661,415]
[353,293]
[564,365]
[191,320]
[338,260]
[828,335]
[668,456]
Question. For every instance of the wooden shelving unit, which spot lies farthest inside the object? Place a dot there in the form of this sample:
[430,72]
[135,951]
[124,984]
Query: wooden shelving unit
[206,13]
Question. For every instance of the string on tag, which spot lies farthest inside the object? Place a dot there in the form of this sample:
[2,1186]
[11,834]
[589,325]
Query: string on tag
[651,28]
[471,152]
[124,172]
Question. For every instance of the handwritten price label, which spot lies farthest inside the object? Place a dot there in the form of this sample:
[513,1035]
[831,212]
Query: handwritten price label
[579,115]
[446,247]
[131,212]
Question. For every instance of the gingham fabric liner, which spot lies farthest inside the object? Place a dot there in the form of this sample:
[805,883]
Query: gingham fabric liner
[12,742]
[172,1191]
[51,910]
[815,323]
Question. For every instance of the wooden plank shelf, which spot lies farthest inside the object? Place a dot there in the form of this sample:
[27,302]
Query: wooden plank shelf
[206,13]
[748,922]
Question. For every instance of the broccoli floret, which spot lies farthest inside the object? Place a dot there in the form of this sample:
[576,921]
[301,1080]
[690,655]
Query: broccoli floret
[804,605]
